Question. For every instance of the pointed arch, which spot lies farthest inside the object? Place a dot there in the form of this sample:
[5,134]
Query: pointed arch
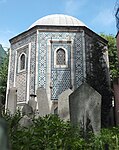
[22,62]
[60,57]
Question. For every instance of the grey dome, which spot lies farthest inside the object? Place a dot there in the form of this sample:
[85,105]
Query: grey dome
[58,20]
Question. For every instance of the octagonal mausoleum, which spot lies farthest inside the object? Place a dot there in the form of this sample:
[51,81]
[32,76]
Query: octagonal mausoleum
[53,53]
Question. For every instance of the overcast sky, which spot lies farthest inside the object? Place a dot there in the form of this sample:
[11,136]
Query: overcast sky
[17,15]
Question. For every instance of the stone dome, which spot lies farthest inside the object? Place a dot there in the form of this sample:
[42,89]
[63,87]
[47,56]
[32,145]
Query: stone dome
[58,20]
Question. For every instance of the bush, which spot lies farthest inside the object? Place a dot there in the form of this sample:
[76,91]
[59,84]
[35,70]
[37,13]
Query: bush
[47,133]
[52,133]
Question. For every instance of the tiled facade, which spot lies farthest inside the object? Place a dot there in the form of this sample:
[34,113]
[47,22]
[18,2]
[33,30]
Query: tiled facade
[60,77]
[20,79]
[40,45]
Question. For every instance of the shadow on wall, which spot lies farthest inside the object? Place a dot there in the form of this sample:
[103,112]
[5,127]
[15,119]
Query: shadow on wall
[98,78]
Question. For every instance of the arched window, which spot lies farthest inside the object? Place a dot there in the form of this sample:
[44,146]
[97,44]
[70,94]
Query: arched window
[22,62]
[60,57]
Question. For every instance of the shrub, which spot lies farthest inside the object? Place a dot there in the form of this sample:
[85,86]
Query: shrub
[46,133]
[52,133]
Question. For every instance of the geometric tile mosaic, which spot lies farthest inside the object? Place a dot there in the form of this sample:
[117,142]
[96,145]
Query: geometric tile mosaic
[61,81]
[61,78]
[32,68]
[21,84]
[21,78]
[78,60]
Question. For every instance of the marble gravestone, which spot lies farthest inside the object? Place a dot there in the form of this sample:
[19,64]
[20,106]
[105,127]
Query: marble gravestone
[63,105]
[27,110]
[25,121]
[43,105]
[32,102]
[12,100]
[84,105]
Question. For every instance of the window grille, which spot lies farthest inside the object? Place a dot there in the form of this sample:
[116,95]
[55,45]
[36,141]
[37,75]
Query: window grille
[60,57]
[22,62]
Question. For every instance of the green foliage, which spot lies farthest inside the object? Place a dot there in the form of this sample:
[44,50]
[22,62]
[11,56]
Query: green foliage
[3,78]
[113,58]
[47,133]
[51,133]
[108,138]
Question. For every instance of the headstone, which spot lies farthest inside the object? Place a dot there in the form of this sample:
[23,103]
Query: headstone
[25,121]
[32,102]
[63,105]
[27,110]
[4,145]
[12,100]
[85,105]
[43,105]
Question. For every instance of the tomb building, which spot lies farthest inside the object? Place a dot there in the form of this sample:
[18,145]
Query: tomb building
[54,54]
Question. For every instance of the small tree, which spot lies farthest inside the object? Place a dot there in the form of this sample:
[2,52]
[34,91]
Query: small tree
[113,58]
[3,78]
